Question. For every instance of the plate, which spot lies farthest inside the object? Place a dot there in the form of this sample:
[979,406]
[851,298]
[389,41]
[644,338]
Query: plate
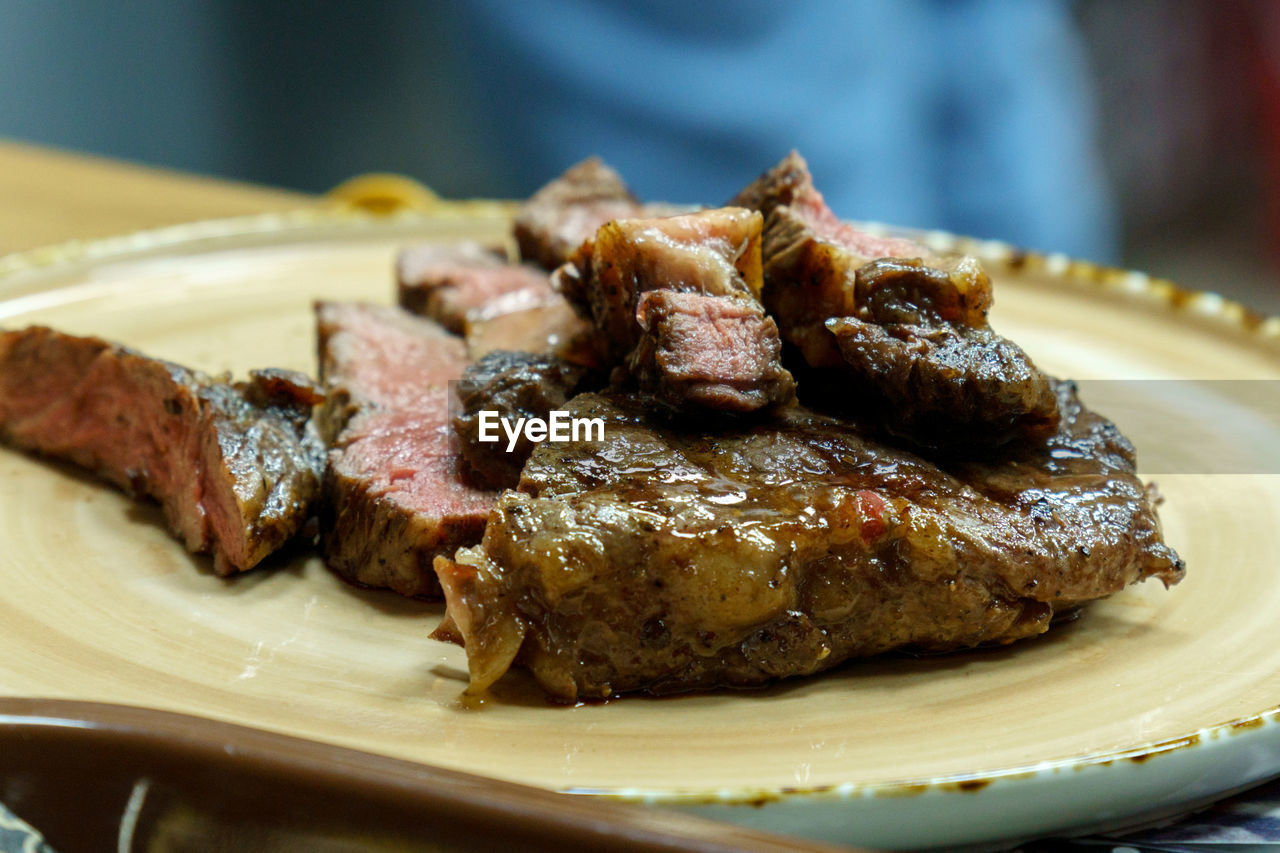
[1150,702]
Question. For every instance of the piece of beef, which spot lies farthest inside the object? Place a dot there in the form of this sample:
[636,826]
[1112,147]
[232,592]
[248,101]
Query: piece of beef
[665,560]
[713,254]
[909,328]
[558,218]
[447,281]
[928,367]
[236,468]
[512,386]
[471,290]
[396,493]
[709,352]
[535,320]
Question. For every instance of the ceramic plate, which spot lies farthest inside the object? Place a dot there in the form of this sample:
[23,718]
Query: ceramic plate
[1148,703]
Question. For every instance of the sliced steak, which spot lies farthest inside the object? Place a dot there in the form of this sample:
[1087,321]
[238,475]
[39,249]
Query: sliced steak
[396,492]
[236,468]
[709,352]
[668,341]
[446,281]
[663,560]
[908,328]
[471,290]
[514,386]
[558,218]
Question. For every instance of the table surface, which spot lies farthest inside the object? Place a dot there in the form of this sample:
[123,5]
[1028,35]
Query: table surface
[49,196]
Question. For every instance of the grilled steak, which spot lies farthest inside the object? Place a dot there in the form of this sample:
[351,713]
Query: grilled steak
[235,468]
[927,365]
[709,352]
[558,218]
[446,281]
[665,295]
[910,332]
[664,560]
[396,494]
[512,386]
[471,290]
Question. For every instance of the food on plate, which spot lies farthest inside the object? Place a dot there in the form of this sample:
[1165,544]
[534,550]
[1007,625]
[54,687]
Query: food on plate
[936,490]
[235,467]
[674,302]
[396,491]
[908,329]
[802,443]
[663,558]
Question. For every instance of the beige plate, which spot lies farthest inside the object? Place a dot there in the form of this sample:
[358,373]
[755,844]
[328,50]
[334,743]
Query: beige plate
[1050,734]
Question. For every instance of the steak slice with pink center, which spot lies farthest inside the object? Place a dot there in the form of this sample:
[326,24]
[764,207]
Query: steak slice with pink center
[397,494]
[235,468]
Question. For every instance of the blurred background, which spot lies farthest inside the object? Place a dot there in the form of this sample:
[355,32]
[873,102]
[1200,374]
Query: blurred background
[1144,132]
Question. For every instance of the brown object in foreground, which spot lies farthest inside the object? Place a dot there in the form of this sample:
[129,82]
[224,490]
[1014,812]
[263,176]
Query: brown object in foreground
[395,492]
[909,329]
[667,295]
[212,785]
[665,560]
[235,468]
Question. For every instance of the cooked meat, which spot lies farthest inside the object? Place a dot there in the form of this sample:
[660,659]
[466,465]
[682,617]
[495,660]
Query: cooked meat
[663,560]
[514,386]
[909,328]
[928,366]
[558,218]
[709,352]
[446,282]
[396,494]
[536,320]
[236,468]
[670,342]
[472,291]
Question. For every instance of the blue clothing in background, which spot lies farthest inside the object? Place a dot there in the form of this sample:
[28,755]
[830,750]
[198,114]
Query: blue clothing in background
[971,116]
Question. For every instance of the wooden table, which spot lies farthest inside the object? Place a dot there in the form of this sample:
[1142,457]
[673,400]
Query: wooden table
[48,196]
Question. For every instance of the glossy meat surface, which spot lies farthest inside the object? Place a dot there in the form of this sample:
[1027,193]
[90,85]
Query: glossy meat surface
[667,296]
[512,386]
[665,559]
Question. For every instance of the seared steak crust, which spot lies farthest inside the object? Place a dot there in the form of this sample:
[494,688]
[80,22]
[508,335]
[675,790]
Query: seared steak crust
[235,468]
[514,385]
[666,560]
[396,494]
[927,365]
[910,329]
